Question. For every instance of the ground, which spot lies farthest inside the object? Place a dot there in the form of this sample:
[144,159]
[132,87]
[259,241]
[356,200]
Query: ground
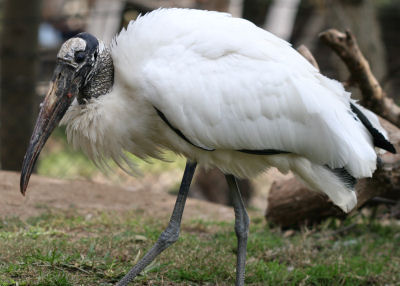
[147,194]
[80,232]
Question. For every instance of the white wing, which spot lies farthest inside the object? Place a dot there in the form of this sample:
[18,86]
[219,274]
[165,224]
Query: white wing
[226,84]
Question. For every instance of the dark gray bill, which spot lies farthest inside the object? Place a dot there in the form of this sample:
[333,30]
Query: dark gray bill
[59,97]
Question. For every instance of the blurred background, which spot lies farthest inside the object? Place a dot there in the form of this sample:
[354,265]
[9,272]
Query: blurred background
[32,31]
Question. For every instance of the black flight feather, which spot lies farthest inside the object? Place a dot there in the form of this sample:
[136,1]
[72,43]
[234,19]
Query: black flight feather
[263,152]
[177,131]
[379,140]
[348,180]
[180,134]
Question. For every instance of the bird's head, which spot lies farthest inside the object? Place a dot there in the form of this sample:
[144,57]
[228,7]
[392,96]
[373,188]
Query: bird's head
[76,63]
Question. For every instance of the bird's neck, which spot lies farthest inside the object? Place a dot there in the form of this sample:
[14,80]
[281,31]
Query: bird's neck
[103,77]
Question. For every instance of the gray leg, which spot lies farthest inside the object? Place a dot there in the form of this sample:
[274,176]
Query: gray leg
[241,228]
[171,233]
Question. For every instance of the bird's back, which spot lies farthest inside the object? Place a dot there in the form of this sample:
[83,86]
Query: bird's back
[212,35]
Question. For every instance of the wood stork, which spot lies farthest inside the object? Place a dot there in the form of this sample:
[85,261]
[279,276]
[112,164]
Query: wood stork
[217,90]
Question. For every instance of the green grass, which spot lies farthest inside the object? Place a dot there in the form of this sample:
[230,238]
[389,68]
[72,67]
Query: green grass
[65,248]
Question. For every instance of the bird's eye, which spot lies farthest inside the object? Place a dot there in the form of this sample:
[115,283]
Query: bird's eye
[79,57]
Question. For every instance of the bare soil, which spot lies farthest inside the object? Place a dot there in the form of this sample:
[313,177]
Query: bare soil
[146,194]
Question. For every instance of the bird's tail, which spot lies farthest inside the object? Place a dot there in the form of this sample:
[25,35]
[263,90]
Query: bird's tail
[338,184]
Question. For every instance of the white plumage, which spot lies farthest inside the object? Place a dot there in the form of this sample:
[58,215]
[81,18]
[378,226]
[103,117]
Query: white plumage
[227,85]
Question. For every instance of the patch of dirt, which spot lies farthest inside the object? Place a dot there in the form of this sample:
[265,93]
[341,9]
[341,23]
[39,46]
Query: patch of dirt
[146,194]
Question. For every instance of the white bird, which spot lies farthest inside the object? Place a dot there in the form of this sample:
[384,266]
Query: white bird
[219,91]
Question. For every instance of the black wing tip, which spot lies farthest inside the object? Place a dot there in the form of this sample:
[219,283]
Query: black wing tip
[379,140]
[390,148]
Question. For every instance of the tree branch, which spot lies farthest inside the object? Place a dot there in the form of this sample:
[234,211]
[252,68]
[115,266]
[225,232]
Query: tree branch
[373,97]
[305,52]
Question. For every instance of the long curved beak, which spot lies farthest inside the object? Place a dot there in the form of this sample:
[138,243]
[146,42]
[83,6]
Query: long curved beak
[59,97]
